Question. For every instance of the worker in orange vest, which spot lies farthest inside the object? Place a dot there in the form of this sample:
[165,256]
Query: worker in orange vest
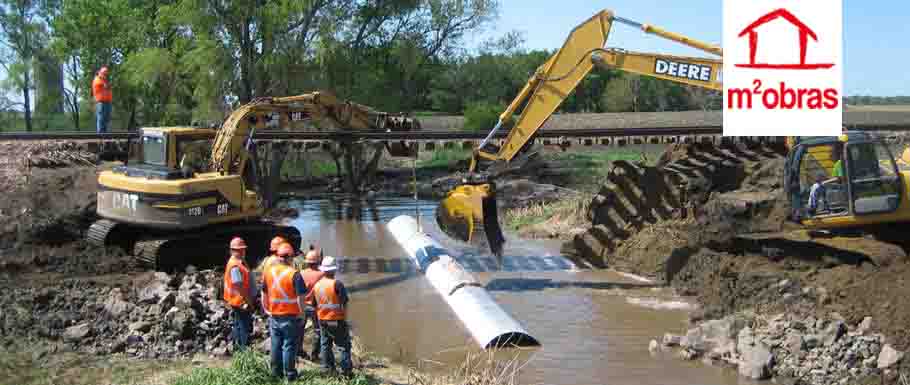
[101,89]
[285,291]
[331,309]
[311,275]
[238,293]
[271,258]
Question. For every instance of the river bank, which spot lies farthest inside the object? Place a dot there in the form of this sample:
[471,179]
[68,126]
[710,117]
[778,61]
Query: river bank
[798,307]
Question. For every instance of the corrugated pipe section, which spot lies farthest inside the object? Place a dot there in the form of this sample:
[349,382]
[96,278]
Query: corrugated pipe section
[485,320]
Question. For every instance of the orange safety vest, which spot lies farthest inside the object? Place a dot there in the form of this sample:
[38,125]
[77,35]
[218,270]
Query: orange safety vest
[282,298]
[310,278]
[231,296]
[269,261]
[329,307]
[101,91]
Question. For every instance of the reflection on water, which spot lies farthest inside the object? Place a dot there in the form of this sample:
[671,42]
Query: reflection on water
[590,331]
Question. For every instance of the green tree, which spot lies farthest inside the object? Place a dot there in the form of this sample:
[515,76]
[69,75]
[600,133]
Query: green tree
[102,33]
[618,95]
[23,29]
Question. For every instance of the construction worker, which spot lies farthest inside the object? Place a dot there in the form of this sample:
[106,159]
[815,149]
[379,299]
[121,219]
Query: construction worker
[271,258]
[101,89]
[311,274]
[285,291]
[331,304]
[238,293]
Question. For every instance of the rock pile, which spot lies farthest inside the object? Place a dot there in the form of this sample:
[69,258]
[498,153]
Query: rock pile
[813,350]
[158,316]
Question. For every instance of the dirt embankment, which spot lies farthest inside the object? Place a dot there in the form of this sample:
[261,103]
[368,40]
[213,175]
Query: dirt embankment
[728,245]
[65,296]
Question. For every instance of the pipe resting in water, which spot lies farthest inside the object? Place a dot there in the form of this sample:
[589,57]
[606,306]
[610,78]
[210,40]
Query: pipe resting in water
[485,320]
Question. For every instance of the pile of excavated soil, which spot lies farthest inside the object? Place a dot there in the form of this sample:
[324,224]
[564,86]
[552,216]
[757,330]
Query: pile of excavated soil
[52,206]
[737,254]
[144,315]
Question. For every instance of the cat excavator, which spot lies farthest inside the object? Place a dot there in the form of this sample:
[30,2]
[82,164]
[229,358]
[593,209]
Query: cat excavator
[869,194]
[191,189]
[468,212]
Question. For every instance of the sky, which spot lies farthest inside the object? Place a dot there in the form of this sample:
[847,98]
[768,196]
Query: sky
[876,33]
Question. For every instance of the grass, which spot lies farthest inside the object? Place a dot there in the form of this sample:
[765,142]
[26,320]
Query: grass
[444,158]
[251,368]
[319,168]
[479,368]
[563,214]
[590,167]
[26,367]
[599,157]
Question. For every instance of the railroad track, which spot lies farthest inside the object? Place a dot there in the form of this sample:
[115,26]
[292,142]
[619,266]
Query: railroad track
[428,135]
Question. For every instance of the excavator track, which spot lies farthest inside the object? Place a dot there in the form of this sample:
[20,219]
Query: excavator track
[107,233]
[208,247]
[636,195]
[147,253]
[172,251]
[98,232]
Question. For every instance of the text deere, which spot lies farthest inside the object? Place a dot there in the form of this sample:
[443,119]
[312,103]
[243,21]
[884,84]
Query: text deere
[683,70]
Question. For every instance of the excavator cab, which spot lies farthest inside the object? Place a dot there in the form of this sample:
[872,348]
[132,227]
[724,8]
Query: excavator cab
[840,181]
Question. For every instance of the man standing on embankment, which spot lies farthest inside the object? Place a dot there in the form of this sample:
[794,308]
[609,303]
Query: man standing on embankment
[101,89]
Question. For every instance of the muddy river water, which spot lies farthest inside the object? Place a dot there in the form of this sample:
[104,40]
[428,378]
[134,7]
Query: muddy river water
[594,326]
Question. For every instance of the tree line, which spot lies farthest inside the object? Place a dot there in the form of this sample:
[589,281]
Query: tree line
[866,100]
[179,61]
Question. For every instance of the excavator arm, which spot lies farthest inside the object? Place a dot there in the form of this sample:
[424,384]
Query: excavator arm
[471,206]
[230,153]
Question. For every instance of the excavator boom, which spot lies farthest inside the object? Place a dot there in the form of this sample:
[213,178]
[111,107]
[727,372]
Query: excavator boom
[459,214]
[228,154]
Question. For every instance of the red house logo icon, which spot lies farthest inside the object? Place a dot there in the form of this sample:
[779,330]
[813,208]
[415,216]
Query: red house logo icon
[804,33]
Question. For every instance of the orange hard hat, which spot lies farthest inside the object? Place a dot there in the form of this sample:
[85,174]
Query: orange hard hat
[312,257]
[285,250]
[277,241]
[238,243]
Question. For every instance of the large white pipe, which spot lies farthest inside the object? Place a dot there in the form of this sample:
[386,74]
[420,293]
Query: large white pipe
[485,320]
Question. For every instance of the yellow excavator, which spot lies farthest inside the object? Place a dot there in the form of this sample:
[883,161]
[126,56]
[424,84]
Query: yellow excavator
[869,194]
[471,206]
[191,189]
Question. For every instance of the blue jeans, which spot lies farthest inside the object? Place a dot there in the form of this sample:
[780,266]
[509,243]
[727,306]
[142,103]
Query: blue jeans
[310,316]
[102,117]
[242,328]
[335,332]
[283,331]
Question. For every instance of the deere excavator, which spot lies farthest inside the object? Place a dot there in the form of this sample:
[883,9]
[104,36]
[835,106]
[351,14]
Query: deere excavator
[192,189]
[468,212]
[871,195]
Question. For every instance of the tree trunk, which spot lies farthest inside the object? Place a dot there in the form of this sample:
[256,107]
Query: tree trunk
[28,101]
[131,124]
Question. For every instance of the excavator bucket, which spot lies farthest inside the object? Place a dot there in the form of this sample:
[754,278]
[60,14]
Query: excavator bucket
[469,213]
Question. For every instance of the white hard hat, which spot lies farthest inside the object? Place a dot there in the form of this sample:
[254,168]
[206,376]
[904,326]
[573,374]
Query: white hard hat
[328,264]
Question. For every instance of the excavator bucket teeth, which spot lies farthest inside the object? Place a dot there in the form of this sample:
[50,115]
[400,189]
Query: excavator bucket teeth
[491,224]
